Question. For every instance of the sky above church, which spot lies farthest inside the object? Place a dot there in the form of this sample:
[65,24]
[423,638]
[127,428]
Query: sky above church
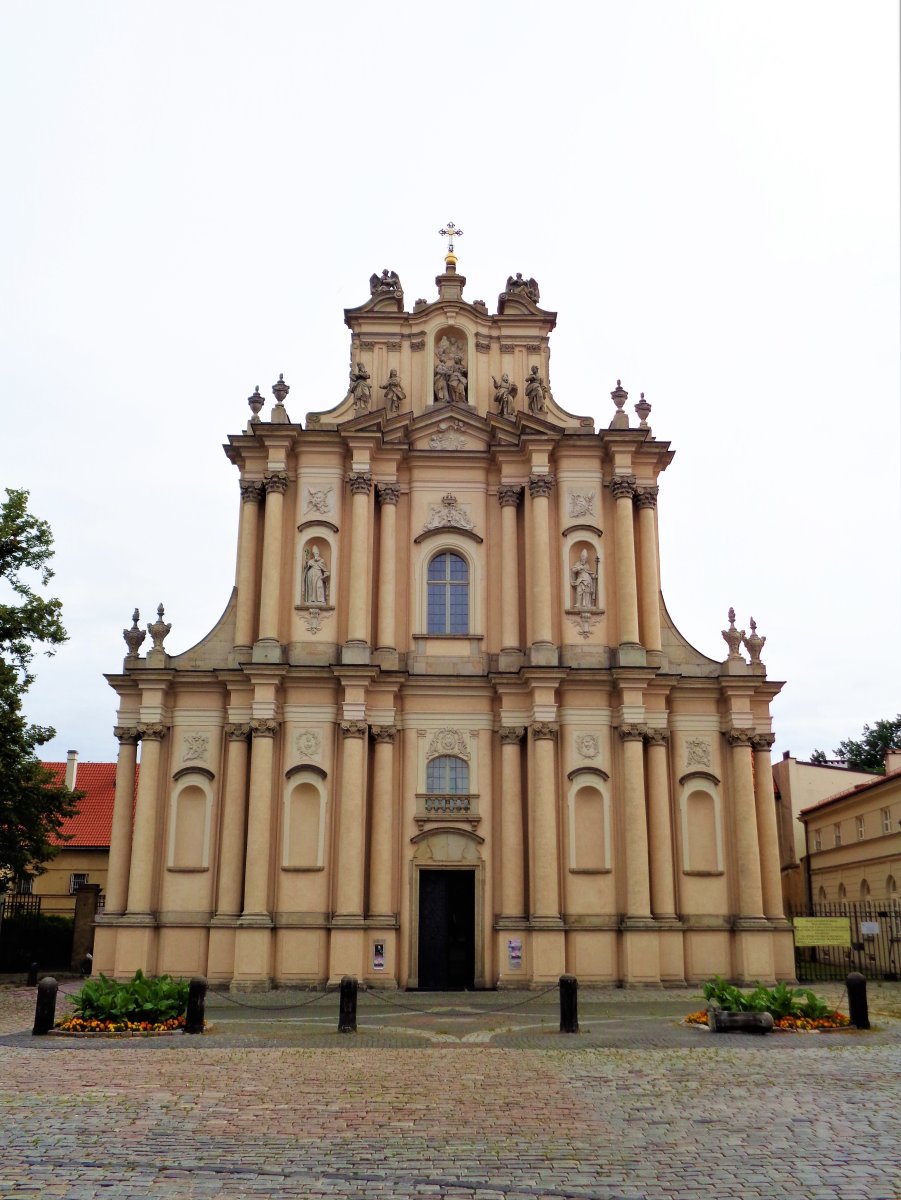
[707,194]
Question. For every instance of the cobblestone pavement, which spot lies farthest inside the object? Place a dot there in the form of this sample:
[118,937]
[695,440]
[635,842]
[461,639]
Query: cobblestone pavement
[275,1103]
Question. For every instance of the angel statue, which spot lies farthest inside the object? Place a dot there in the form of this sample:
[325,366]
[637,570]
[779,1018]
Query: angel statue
[536,392]
[359,388]
[387,282]
[394,393]
[504,394]
[518,284]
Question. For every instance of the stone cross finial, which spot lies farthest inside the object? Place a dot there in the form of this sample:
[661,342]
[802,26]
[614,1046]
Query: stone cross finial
[733,637]
[159,629]
[450,231]
[134,637]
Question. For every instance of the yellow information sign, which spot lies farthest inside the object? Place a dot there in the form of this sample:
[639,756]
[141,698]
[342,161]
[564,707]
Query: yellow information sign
[822,931]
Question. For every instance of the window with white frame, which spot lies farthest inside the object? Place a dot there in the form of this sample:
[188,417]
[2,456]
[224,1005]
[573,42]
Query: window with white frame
[886,815]
[447,774]
[818,839]
[76,880]
[837,834]
[447,609]
[860,829]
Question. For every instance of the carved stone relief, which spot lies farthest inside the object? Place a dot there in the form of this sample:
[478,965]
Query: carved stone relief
[584,621]
[313,618]
[196,747]
[447,515]
[308,744]
[697,752]
[447,741]
[448,436]
[319,500]
[587,745]
[581,504]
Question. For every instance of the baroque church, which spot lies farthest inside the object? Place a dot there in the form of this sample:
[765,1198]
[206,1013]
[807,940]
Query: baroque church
[445,734]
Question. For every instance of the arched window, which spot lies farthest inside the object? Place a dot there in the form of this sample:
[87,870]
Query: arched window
[821,896]
[447,774]
[891,887]
[842,892]
[864,890]
[448,595]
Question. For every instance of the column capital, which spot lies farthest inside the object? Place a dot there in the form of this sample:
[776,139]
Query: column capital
[263,728]
[237,731]
[388,493]
[739,737]
[544,730]
[646,497]
[632,733]
[509,494]
[128,735]
[622,486]
[277,482]
[354,729]
[383,733]
[251,491]
[656,737]
[511,735]
[152,733]
[541,485]
[763,741]
[360,482]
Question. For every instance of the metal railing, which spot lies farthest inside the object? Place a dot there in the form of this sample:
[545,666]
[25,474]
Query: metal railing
[875,935]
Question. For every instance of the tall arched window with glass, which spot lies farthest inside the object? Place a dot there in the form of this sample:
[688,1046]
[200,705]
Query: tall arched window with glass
[448,595]
[447,774]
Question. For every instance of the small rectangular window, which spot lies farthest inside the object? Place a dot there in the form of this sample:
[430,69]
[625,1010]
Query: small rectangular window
[838,835]
[886,820]
[76,880]
[24,885]
[817,839]
[860,829]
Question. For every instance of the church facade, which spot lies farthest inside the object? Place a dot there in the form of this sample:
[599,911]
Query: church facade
[445,734]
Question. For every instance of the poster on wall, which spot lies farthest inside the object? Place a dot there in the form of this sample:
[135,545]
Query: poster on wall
[514,953]
[378,956]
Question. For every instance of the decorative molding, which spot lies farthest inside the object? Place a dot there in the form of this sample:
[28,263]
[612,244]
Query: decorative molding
[709,775]
[581,504]
[482,347]
[738,737]
[238,731]
[533,347]
[541,485]
[388,493]
[622,486]
[448,436]
[195,747]
[584,619]
[511,735]
[278,482]
[384,733]
[583,529]
[417,344]
[447,741]
[311,767]
[317,524]
[263,728]
[448,515]
[308,743]
[646,497]
[152,733]
[587,745]
[204,771]
[632,733]
[394,344]
[319,500]
[128,735]
[507,347]
[656,737]
[763,741]
[354,729]
[251,491]
[544,730]
[697,752]
[587,771]
[314,615]
[509,494]
[360,482]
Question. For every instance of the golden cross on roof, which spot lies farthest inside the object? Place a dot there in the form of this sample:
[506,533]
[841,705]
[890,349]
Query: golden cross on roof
[450,231]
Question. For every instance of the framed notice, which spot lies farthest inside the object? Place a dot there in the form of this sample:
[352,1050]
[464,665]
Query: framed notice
[822,931]
[514,953]
[378,956]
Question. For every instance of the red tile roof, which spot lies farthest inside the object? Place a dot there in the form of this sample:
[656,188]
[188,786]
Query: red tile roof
[867,784]
[92,823]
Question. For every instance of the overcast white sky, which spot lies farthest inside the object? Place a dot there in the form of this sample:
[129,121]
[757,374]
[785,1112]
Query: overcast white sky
[707,194]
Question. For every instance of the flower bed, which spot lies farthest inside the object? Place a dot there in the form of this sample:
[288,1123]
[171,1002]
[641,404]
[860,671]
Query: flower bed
[794,1010]
[139,1007]
[80,1025]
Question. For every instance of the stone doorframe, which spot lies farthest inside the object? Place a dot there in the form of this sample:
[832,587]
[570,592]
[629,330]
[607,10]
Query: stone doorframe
[447,849]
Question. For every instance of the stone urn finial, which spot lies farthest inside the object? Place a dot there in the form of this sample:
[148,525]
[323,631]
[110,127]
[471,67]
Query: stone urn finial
[733,638]
[754,644]
[644,411]
[159,629]
[619,396]
[280,390]
[256,403]
[134,637]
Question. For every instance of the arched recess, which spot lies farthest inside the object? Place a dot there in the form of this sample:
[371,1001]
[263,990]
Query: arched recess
[303,820]
[451,339]
[447,848]
[575,540]
[701,824]
[588,807]
[864,891]
[842,892]
[891,887]
[321,536]
[821,896]
[447,542]
[190,820]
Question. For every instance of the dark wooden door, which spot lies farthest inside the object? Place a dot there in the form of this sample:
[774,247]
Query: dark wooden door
[447,930]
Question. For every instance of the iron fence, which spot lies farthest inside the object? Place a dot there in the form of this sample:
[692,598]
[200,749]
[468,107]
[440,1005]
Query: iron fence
[875,949]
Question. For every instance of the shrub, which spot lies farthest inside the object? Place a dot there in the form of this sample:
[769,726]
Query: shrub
[141,999]
[781,1001]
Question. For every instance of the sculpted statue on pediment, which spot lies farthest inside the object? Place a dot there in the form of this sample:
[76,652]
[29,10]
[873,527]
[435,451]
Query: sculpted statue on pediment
[360,390]
[536,392]
[394,392]
[388,283]
[505,393]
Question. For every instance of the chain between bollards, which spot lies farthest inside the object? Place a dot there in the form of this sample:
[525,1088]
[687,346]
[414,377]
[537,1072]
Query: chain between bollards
[195,1016]
[569,1004]
[858,1009]
[347,1011]
[45,1006]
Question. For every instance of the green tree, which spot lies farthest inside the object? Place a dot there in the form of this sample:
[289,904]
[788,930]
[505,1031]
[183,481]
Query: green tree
[867,754]
[33,805]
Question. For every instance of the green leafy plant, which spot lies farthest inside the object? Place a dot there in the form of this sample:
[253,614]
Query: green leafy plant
[139,999]
[781,1000]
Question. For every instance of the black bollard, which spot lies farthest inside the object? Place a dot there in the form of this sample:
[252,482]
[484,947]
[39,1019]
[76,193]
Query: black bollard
[347,1009]
[45,1007]
[32,980]
[858,1009]
[194,1019]
[569,1004]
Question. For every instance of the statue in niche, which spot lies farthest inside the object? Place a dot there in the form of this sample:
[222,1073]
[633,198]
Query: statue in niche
[517,285]
[505,393]
[584,583]
[315,577]
[359,389]
[394,393]
[442,379]
[386,283]
[449,346]
[457,381]
[536,392]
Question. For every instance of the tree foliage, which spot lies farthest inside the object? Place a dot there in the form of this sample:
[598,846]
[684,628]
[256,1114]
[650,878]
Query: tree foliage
[33,805]
[867,753]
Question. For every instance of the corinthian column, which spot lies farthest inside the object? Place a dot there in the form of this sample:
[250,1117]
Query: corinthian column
[388,494]
[349,892]
[381,858]
[144,848]
[120,834]
[635,822]
[660,826]
[512,848]
[358,592]
[767,835]
[546,889]
[623,488]
[259,823]
[540,487]
[234,822]
[270,588]
[646,501]
[248,538]
[509,496]
[747,847]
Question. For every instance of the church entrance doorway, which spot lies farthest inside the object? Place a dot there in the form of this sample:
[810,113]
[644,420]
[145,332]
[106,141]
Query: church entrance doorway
[447,930]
